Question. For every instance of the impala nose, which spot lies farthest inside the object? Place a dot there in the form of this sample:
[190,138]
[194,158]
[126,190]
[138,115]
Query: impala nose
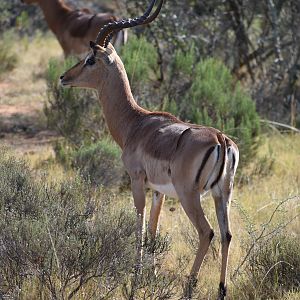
[61,77]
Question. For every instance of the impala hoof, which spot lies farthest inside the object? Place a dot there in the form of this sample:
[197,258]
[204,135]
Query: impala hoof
[222,291]
[191,285]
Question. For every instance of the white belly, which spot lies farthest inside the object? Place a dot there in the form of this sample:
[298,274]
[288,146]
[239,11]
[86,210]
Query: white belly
[166,189]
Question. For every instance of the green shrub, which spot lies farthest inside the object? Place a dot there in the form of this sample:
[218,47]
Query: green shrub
[8,56]
[140,60]
[100,162]
[60,236]
[185,63]
[273,269]
[209,96]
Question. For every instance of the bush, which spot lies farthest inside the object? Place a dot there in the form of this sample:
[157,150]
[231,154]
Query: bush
[140,60]
[209,96]
[69,241]
[100,162]
[273,269]
[8,56]
[61,237]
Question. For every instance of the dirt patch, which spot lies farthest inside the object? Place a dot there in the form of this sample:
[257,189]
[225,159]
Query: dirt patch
[20,118]
[9,110]
[23,129]
[4,85]
[23,126]
[25,143]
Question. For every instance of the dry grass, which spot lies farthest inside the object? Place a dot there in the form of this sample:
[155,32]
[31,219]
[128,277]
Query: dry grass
[22,97]
[26,85]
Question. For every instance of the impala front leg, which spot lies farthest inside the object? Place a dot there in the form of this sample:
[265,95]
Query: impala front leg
[139,197]
[157,203]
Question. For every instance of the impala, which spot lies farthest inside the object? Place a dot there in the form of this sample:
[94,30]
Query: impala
[74,28]
[159,151]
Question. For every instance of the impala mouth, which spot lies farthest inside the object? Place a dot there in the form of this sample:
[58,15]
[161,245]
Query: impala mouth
[63,81]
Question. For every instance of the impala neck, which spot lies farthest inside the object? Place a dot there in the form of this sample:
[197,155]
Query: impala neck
[55,12]
[120,109]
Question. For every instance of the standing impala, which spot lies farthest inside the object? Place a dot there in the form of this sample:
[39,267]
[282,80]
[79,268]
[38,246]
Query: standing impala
[171,157]
[74,28]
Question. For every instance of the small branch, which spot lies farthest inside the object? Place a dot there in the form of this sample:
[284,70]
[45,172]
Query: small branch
[262,234]
[281,125]
[279,262]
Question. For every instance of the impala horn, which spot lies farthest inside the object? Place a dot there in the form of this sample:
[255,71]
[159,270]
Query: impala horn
[107,31]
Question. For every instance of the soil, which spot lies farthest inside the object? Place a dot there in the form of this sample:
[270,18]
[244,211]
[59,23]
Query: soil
[23,127]
[23,93]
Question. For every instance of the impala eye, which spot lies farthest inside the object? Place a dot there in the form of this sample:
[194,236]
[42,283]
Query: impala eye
[90,61]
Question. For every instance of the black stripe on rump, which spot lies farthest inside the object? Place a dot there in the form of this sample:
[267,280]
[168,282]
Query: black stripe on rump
[206,157]
[223,162]
[218,157]
[233,161]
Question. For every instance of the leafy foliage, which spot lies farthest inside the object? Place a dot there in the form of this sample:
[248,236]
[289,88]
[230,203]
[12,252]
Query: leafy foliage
[25,19]
[100,162]
[256,40]
[140,60]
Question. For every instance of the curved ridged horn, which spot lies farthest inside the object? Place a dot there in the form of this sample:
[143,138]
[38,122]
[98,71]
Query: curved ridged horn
[107,31]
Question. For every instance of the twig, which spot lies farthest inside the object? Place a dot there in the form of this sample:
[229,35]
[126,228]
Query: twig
[262,235]
[279,262]
[281,125]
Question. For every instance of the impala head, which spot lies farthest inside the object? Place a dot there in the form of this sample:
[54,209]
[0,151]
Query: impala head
[93,70]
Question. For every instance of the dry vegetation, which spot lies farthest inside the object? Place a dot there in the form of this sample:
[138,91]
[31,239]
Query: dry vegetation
[265,205]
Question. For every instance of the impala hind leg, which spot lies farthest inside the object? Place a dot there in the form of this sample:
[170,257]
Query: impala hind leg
[222,198]
[222,193]
[192,206]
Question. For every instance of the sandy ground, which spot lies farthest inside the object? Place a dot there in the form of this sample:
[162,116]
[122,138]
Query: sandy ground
[22,97]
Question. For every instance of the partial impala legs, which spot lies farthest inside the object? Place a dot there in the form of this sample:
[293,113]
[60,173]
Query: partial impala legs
[222,204]
[157,203]
[139,197]
[192,206]
[222,193]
